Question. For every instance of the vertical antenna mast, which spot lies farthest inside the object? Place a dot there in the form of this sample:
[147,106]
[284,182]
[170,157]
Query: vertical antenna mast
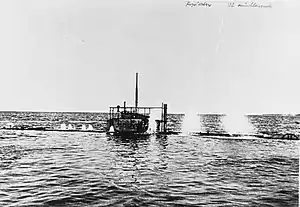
[136,90]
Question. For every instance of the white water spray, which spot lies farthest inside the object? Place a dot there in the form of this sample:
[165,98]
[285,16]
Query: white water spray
[154,115]
[83,127]
[63,126]
[9,125]
[90,127]
[70,127]
[191,123]
[237,123]
[111,129]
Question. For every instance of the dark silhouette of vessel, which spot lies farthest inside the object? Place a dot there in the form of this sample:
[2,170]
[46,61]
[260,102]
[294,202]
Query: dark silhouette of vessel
[134,120]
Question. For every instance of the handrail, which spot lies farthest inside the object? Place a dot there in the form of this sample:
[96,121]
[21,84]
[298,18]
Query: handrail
[139,107]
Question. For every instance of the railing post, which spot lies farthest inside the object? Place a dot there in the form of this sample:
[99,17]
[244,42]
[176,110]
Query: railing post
[165,117]
[136,90]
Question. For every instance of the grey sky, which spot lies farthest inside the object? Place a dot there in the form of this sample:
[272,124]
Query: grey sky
[82,55]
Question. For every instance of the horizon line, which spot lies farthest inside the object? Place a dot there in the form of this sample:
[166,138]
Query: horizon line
[83,111]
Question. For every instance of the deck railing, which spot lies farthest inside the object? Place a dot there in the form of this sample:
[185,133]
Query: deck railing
[113,111]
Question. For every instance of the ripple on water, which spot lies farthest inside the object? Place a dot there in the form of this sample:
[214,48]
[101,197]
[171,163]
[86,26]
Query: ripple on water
[99,170]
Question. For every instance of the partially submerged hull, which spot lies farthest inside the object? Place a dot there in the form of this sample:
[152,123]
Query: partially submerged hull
[134,120]
[129,124]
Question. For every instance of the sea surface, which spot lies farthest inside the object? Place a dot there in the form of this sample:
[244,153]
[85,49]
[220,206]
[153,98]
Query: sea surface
[53,168]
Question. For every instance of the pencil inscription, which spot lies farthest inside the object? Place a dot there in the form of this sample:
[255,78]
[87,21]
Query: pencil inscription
[197,4]
[230,4]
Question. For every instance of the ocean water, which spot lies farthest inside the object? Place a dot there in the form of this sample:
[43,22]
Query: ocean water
[50,168]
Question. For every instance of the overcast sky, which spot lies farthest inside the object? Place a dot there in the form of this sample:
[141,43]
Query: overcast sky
[82,55]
